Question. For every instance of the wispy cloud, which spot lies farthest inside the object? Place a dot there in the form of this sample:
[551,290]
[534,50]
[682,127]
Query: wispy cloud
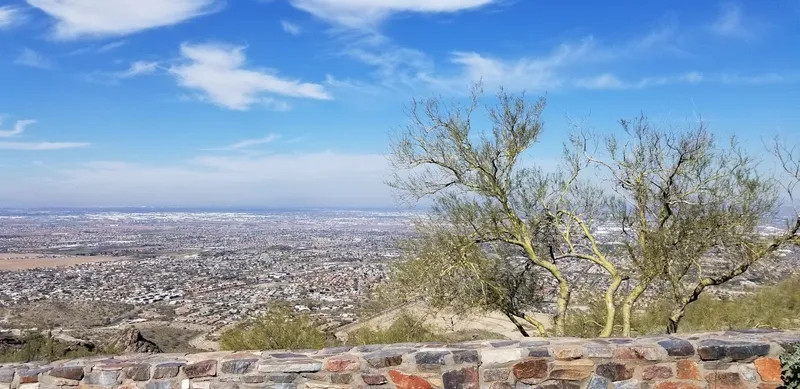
[86,18]
[111,46]
[139,68]
[730,23]
[218,71]
[19,128]
[368,14]
[33,59]
[291,28]
[41,146]
[10,16]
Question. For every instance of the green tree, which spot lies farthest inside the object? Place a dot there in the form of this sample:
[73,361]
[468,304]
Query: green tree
[689,208]
[481,190]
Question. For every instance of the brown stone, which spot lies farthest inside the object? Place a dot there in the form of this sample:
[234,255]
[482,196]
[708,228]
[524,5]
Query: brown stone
[577,370]
[656,373]
[201,369]
[342,363]
[566,353]
[374,379]
[74,373]
[677,385]
[615,371]
[501,385]
[405,381]
[466,378]
[687,370]
[769,369]
[726,380]
[534,368]
[491,375]
[769,386]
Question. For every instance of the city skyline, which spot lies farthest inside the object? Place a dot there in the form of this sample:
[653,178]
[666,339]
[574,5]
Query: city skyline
[289,103]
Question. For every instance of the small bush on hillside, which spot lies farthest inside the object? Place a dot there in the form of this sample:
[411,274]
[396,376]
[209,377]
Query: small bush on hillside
[40,347]
[406,329]
[791,368]
[279,329]
[757,310]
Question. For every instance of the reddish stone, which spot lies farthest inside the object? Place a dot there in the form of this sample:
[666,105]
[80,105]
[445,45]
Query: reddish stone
[769,386]
[534,368]
[677,385]
[769,369]
[656,373]
[373,379]
[726,380]
[344,363]
[404,381]
[687,370]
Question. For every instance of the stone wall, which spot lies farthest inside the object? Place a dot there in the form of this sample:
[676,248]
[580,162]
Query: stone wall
[729,360]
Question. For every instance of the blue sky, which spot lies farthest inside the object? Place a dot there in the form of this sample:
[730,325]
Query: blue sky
[290,102]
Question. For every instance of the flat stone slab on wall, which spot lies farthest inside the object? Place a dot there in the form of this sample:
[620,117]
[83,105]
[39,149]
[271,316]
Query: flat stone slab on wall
[721,360]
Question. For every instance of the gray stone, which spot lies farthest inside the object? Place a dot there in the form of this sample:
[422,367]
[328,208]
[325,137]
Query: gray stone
[288,356]
[629,384]
[335,350]
[224,385]
[598,382]
[374,379]
[466,356]
[167,370]
[500,374]
[501,356]
[430,357]
[6,374]
[533,343]
[238,366]
[301,366]
[253,379]
[677,347]
[539,352]
[598,351]
[384,358]
[369,348]
[283,378]
[102,378]
[504,343]
[162,384]
[720,350]
[138,372]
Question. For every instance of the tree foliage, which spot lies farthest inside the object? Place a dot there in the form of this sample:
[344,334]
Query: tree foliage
[688,208]
[279,329]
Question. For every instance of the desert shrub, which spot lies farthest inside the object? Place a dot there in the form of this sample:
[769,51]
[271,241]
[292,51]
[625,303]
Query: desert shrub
[37,346]
[279,329]
[406,329]
[791,368]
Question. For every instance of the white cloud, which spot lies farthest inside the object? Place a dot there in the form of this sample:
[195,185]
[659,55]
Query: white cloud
[19,128]
[33,59]
[288,179]
[291,28]
[111,46]
[367,14]
[139,68]
[254,142]
[100,18]
[730,23]
[10,16]
[41,146]
[219,72]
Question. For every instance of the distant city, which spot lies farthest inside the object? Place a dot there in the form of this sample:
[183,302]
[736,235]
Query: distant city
[206,269]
